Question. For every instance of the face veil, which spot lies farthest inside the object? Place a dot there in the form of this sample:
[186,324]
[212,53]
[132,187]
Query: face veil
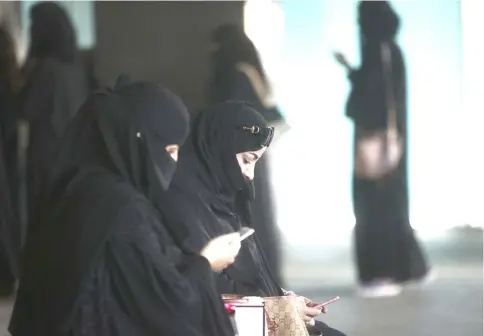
[124,130]
[219,134]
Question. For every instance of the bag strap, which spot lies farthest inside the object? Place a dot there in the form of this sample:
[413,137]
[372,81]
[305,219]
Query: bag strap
[386,55]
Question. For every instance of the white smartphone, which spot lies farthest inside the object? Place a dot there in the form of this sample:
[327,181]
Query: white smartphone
[245,232]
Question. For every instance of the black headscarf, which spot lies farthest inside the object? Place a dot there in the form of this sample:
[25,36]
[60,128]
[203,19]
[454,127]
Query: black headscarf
[124,130]
[51,33]
[221,132]
[209,193]
[378,21]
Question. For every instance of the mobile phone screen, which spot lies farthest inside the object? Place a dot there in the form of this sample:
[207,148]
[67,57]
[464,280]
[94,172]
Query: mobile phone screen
[245,232]
[320,305]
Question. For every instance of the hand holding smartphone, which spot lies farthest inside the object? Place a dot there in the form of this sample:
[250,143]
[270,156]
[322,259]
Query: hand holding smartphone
[325,303]
[245,232]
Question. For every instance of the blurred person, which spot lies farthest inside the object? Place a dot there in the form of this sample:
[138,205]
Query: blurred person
[89,66]
[55,88]
[387,252]
[102,264]
[211,193]
[9,226]
[238,74]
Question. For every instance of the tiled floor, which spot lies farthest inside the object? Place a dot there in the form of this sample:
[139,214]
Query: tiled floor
[450,305]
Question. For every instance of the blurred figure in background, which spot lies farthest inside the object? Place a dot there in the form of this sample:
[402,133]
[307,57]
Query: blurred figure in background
[387,252]
[238,75]
[9,226]
[55,88]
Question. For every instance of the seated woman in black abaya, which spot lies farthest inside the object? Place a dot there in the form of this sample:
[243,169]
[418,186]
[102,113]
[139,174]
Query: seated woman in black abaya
[98,261]
[211,193]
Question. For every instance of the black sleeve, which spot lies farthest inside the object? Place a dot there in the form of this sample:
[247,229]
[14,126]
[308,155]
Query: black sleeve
[227,285]
[148,288]
[366,104]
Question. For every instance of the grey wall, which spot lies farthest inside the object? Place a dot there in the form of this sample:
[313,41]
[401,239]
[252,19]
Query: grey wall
[166,42]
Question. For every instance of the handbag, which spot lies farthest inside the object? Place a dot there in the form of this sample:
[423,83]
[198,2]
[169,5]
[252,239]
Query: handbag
[283,316]
[378,153]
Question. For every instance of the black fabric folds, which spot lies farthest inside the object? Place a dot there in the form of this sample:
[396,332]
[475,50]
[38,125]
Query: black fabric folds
[98,261]
[221,132]
[209,195]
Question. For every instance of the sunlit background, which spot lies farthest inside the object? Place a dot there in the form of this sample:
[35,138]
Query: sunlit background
[312,163]
[315,157]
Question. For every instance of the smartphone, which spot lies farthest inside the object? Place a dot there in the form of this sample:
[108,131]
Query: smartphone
[325,303]
[245,232]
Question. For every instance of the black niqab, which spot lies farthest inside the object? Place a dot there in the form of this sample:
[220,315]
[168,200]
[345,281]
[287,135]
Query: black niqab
[209,195]
[219,134]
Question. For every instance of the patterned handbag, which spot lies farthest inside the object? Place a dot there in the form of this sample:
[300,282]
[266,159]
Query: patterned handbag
[283,316]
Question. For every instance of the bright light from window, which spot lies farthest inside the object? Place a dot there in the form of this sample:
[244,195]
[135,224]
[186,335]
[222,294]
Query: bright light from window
[312,163]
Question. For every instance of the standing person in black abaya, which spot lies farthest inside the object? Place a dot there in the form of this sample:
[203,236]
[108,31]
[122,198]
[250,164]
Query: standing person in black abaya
[387,251]
[9,226]
[55,88]
[100,262]
[211,194]
[238,74]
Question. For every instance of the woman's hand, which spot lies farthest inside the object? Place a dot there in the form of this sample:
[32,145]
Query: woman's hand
[221,251]
[310,304]
[307,313]
[341,59]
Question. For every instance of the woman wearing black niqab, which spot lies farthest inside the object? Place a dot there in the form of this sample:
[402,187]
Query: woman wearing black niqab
[387,252]
[99,262]
[212,190]
[238,74]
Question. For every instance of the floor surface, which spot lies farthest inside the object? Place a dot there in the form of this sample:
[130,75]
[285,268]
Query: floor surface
[450,305]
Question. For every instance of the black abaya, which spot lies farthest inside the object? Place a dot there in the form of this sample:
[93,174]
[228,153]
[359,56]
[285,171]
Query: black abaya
[263,205]
[98,261]
[9,249]
[236,85]
[204,200]
[131,286]
[386,247]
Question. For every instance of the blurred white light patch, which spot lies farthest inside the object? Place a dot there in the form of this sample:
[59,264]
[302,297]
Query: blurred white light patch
[312,162]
